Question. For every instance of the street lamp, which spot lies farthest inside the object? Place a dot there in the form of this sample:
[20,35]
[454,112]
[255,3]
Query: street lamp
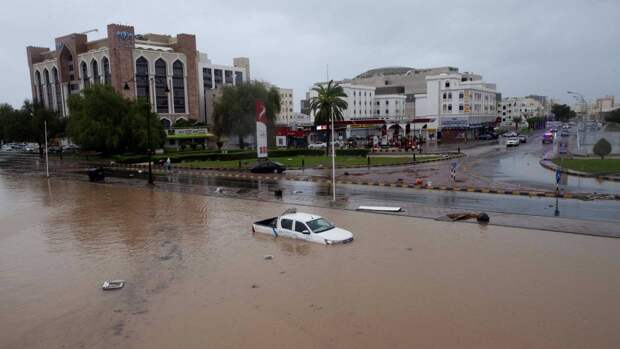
[148,126]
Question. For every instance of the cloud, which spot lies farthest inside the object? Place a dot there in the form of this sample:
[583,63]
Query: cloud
[546,47]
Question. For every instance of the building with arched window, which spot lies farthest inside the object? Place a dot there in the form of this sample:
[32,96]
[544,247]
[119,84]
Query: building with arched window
[167,71]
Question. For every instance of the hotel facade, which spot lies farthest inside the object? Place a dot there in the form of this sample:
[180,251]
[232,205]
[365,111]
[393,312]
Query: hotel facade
[168,71]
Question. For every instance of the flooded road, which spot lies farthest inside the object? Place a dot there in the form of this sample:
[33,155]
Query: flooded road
[197,277]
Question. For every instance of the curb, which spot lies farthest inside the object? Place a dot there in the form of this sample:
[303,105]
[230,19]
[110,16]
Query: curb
[549,165]
[486,190]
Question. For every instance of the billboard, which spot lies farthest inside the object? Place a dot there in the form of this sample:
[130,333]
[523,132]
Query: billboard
[261,129]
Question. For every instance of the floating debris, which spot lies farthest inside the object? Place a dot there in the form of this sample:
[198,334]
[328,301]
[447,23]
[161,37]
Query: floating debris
[113,284]
[379,208]
[268,257]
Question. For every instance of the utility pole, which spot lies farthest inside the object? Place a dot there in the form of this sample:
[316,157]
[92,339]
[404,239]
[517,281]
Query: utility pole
[47,164]
[331,112]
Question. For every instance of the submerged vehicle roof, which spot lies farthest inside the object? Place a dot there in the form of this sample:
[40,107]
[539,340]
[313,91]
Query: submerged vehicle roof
[300,216]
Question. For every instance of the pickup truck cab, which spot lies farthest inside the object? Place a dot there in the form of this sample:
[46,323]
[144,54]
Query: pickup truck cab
[303,226]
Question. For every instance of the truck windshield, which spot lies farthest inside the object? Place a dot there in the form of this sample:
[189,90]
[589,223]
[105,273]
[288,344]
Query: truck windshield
[319,225]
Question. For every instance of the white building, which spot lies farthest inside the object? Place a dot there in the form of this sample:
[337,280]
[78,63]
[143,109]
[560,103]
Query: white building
[458,109]
[360,101]
[285,116]
[518,107]
[390,107]
[211,77]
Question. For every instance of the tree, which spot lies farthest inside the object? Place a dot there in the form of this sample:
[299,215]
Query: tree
[104,121]
[562,112]
[602,148]
[328,103]
[27,124]
[613,116]
[235,110]
[517,120]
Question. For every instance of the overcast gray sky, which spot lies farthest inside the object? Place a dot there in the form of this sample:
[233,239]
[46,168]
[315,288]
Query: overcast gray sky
[542,47]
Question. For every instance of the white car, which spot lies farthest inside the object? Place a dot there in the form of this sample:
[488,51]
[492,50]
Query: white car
[303,226]
[513,142]
[319,145]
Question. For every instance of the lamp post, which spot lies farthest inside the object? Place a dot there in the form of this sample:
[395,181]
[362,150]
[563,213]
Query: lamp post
[151,181]
[331,112]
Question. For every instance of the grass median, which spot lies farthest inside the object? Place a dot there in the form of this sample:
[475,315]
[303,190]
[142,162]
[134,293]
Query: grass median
[310,161]
[590,165]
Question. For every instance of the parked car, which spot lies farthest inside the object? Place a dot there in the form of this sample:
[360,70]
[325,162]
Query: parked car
[563,148]
[510,134]
[70,148]
[547,138]
[318,145]
[268,166]
[513,142]
[485,137]
[53,149]
[303,226]
[564,134]
[523,138]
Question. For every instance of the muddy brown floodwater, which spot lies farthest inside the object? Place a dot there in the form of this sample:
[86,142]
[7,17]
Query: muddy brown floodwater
[197,277]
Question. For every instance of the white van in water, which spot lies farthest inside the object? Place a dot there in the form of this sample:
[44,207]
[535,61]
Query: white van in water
[303,226]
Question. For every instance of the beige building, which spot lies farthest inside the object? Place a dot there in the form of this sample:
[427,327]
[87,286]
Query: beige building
[523,107]
[285,116]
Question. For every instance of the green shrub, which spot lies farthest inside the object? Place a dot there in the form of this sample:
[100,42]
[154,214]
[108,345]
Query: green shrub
[602,148]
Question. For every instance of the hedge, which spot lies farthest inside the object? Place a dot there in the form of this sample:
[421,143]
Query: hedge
[235,155]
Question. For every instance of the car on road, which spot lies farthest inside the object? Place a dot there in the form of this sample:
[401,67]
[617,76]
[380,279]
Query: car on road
[317,145]
[485,137]
[563,148]
[523,138]
[303,226]
[513,142]
[70,148]
[268,166]
[510,134]
[564,134]
[547,138]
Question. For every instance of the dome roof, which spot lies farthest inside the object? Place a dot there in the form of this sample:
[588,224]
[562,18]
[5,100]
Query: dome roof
[385,71]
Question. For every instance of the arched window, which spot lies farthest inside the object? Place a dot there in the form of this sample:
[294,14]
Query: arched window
[142,79]
[58,90]
[39,87]
[166,123]
[178,83]
[161,97]
[48,89]
[96,76]
[84,72]
[106,71]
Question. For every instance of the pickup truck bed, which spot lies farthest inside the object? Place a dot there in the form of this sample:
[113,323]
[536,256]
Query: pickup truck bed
[266,226]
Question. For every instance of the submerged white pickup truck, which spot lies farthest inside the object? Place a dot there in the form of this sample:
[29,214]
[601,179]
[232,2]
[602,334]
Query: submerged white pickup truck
[303,226]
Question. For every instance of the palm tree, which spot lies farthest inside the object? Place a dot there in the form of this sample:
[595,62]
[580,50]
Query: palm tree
[328,103]
[517,120]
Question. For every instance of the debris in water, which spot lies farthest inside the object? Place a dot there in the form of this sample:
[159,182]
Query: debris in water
[254,286]
[113,284]
[218,190]
[480,217]
[297,192]
[269,256]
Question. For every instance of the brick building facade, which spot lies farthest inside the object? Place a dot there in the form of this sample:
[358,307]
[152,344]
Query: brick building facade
[168,71]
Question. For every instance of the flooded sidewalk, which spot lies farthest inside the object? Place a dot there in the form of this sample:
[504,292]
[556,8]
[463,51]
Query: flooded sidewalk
[196,277]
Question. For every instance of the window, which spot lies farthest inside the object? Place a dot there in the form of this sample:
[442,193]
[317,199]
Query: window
[449,95]
[387,112]
[96,76]
[178,83]
[445,95]
[106,71]
[207,78]
[142,79]
[320,225]
[161,83]
[353,93]
[48,89]
[387,102]
[449,107]
[378,103]
[300,227]
[239,78]
[445,107]
[447,84]
[57,88]
[37,77]
[228,77]
[460,107]
[85,79]
[218,77]
[287,224]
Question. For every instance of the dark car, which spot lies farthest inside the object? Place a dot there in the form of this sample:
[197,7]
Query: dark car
[96,174]
[523,138]
[486,137]
[268,167]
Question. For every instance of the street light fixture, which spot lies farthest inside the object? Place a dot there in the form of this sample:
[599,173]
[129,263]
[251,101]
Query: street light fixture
[148,127]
